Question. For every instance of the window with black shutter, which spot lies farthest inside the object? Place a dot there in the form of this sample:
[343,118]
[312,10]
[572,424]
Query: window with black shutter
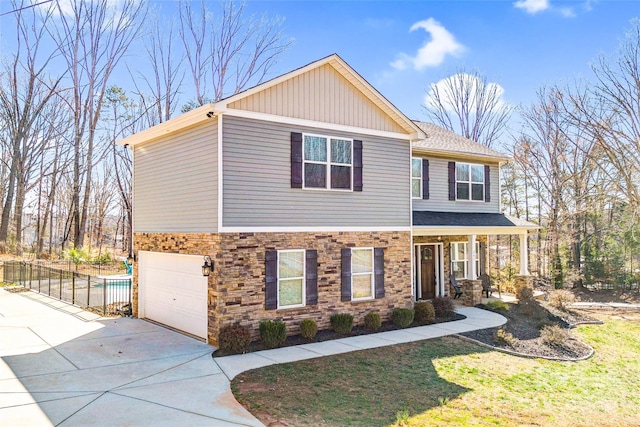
[291,278]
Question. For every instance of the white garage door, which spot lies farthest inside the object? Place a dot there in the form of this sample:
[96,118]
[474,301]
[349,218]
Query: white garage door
[173,291]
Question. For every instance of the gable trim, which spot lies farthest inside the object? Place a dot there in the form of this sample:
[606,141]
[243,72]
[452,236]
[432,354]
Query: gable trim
[314,124]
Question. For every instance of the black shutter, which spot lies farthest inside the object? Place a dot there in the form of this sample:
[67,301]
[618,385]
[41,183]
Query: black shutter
[425,178]
[482,256]
[345,288]
[487,184]
[312,276]
[271,280]
[296,160]
[378,271]
[452,180]
[357,165]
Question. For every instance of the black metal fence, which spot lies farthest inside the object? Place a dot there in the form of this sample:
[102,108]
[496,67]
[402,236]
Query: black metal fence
[106,294]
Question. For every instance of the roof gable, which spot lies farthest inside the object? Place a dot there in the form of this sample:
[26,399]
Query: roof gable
[328,90]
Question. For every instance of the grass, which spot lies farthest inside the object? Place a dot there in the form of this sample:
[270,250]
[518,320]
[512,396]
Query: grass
[447,381]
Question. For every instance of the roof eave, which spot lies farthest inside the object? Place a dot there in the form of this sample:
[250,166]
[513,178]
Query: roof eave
[461,154]
[454,230]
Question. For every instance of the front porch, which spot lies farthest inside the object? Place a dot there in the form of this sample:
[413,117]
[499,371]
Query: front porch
[449,245]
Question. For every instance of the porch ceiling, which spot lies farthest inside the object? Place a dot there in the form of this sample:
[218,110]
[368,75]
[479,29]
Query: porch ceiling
[429,223]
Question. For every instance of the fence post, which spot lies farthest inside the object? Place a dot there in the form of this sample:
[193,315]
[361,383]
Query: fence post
[88,290]
[60,283]
[73,288]
[104,296]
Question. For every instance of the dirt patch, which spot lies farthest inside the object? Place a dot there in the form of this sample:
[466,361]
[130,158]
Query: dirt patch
[329,334]
[523,332]
[619,295]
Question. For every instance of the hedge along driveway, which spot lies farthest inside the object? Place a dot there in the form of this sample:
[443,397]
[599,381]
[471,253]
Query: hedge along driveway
[447,381]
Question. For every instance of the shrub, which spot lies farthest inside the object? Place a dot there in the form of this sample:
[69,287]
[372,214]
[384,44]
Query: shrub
[372,321]
[561,299]
[554,335]
[308,329]
[425,314]
[342,323]
[402,317]
[501,336]
[497,305]
[272,332]
[234,339]
[443,307]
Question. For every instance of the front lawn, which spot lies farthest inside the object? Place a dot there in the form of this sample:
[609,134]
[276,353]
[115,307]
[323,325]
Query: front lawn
[448,381]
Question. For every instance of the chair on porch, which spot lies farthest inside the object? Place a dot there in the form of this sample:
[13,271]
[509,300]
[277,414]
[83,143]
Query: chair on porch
[456,286]
[486,285]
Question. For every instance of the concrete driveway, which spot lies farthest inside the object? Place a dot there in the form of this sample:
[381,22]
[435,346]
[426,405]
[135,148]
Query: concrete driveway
[63,366]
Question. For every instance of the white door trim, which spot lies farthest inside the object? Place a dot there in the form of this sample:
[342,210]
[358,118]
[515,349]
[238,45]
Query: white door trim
[438,259]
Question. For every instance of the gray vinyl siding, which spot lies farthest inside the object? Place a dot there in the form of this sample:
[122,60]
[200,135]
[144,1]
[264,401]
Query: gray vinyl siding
[257,181]
[176,181]
[439,190]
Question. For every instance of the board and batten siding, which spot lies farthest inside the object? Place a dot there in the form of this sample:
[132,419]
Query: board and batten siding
[321,94]
[439,190]
[176,182]
[257,181]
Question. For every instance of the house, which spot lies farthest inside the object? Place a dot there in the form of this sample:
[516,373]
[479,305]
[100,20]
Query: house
[302,191]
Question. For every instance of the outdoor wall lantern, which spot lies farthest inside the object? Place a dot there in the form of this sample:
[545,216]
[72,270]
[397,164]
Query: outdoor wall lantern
[207,267]
[130,259]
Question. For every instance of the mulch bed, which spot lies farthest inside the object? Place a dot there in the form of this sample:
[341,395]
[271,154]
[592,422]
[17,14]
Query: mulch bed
[329,334]
[525,328]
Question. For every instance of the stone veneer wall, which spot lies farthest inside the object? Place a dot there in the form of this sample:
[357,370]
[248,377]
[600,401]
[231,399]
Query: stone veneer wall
[236,288]
[447,253]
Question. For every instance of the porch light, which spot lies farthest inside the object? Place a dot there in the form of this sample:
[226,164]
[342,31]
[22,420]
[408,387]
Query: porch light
[130,259]
[207,267]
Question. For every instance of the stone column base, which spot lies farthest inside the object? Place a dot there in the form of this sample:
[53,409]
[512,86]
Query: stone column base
[523,281]
[471,292]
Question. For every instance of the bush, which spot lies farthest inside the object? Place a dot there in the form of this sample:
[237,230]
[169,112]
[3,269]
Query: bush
[443,307]
[561,299]
[308,329]
[234,339]
[425,314]
[372,321]
[103,259]
[497,306]
[342,323]
[402,317]
[501,336]
[554,335]
[272,332]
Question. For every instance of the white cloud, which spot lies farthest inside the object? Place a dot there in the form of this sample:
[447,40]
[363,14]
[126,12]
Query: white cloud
[532,6]
[434,51]
[472,85]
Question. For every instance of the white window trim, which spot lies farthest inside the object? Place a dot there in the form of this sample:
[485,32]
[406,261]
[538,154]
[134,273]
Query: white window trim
[303,277]
[372,274]
[470,183]
[466,257]
[415,177]
[328,164]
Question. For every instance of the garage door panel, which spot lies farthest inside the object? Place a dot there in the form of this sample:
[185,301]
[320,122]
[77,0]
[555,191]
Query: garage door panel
[174,292]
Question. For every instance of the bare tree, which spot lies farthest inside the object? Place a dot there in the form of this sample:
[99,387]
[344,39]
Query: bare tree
[226,52]
[92,38]
[465,103]
[26,91]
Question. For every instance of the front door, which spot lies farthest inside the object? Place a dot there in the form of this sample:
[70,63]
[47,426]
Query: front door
[428,271]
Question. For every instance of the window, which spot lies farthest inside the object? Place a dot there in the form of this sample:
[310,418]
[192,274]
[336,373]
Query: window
[362,274]
[327,162]
[459,259]
[291,280]
[416,178]
[469,182]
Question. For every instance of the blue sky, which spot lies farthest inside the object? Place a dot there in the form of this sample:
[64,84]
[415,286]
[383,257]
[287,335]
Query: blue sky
[519,45]
[401,47]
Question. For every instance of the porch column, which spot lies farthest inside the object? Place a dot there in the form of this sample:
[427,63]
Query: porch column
[524,255]
[471,258]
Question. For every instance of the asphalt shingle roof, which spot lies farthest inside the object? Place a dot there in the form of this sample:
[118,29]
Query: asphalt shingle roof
[439,139]
[462,219]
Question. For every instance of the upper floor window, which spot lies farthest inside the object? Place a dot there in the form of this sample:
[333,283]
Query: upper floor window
[327,162]
[470,182]
[416,178]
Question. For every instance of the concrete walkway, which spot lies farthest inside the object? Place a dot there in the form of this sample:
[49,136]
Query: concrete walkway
[63,366]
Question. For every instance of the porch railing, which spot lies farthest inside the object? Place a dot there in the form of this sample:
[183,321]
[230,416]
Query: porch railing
[107,295]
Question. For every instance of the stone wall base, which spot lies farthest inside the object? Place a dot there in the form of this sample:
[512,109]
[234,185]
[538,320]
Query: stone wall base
[471,292]
[523,281]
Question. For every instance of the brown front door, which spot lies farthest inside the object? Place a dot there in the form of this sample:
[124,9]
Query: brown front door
[428,271]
